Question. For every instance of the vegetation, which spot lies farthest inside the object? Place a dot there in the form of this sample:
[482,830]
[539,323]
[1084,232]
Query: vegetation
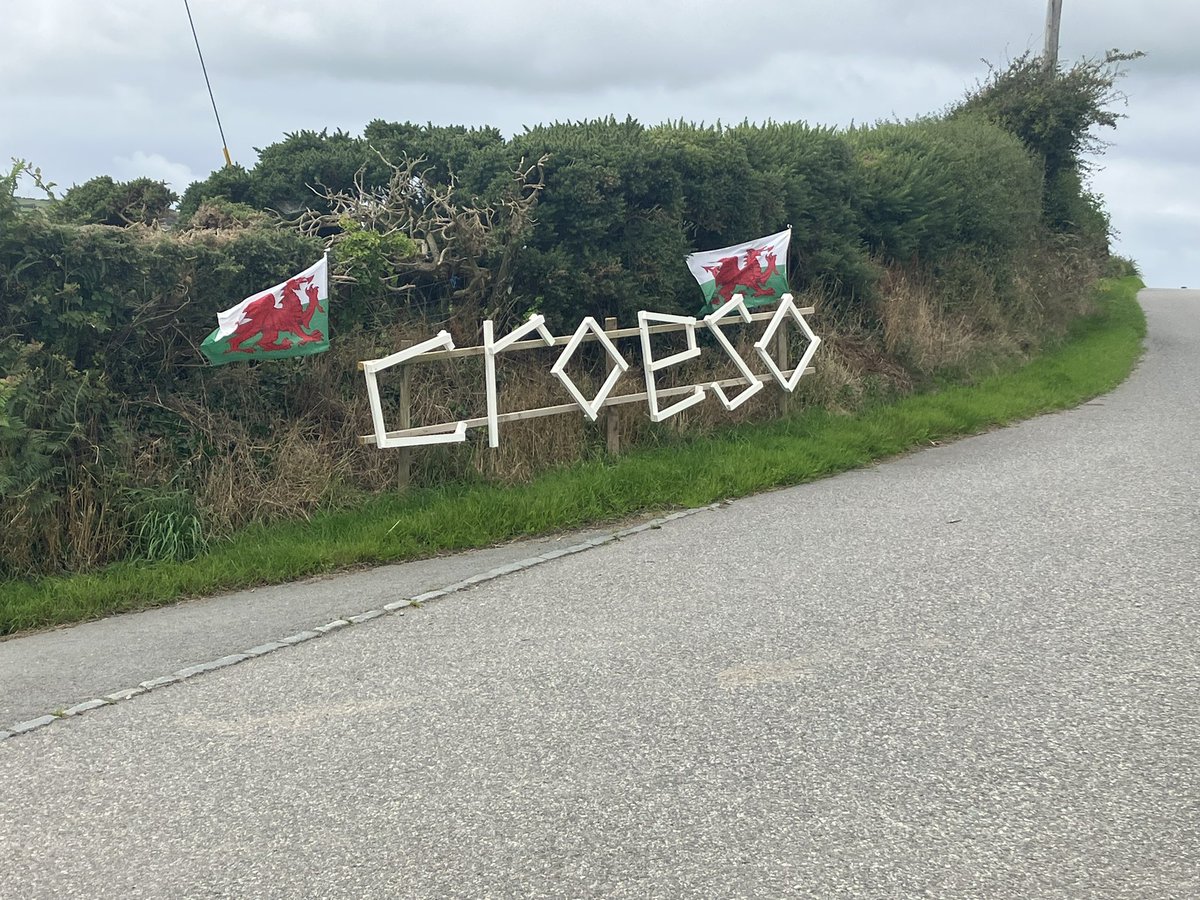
[1055,114]
[102,201]
[948,247]
[686,471]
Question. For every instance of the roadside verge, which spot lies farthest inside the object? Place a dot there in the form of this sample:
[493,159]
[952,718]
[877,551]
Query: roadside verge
[1098,355]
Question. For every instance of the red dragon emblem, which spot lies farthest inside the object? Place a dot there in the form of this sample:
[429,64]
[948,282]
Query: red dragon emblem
[270,317]
[730,274]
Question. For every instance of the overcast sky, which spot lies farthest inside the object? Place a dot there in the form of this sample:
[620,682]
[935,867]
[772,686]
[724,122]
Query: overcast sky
[114,87]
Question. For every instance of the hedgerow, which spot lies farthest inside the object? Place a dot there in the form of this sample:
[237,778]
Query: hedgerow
[116,440]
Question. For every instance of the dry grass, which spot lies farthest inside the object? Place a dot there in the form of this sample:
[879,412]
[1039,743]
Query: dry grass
[919,331]
[256,444]
[291,471]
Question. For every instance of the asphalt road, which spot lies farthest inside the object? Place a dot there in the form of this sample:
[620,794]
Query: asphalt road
[969,672]
[54,670]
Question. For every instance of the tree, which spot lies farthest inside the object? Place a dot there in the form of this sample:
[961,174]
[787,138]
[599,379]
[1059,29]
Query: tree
[232,183]
[102,201]
[414,231]
[1054,113]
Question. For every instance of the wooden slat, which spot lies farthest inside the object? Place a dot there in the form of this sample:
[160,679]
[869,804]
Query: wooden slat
[560,340]
[404,454]
[525,414]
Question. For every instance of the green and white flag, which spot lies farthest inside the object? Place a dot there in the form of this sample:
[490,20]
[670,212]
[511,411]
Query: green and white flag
[756,269]
[290,319]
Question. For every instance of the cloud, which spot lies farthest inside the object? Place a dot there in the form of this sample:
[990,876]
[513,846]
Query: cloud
[1158,224]
[107,87]
[153,165]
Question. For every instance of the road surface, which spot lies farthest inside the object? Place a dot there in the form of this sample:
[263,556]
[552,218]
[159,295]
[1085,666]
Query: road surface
[969,672]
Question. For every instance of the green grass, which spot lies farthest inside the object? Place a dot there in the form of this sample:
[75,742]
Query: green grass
[1097,356]
[28,203]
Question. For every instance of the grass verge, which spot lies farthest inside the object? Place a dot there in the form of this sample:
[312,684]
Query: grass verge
[1099,354]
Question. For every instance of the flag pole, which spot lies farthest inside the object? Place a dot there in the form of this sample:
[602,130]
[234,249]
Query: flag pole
[328,286]
[208,84]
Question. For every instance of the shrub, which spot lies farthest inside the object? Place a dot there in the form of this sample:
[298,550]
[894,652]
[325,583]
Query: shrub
[933,188]
[1055,113]
[102,201]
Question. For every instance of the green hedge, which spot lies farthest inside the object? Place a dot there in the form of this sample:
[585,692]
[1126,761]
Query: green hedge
[624,203]
[132,303]
[932,189]
[99,325]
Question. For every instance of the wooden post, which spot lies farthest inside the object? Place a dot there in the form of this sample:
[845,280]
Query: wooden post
[1053,19]
[611,433]
[404,458]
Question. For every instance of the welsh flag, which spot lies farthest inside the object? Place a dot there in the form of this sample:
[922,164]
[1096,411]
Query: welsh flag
[756,269]
[290,319]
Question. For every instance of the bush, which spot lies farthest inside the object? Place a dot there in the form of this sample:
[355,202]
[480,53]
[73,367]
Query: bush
[219,213]
[102,201]
[97,326]
[231,184]
[116,439]
[1054,114]
[1121,267]
[932,188]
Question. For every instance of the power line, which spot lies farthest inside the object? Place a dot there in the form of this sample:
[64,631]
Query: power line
[204,69]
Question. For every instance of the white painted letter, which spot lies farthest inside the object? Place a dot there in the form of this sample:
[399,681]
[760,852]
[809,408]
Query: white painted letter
[490,348]
[712,320]
[787,308]
[651,365]
[591,407]
[372,366]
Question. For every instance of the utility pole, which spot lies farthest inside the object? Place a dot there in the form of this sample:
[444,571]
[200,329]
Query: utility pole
[1053,17]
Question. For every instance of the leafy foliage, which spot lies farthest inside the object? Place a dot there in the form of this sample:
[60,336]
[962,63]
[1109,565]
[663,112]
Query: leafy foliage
[370,257]
[933,188]
[218,212]
[116,441]
[290,174]
[478,159]
[231,184]
[102,201]
[1055,113]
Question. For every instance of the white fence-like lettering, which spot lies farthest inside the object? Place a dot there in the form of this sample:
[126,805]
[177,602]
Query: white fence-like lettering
[442,347]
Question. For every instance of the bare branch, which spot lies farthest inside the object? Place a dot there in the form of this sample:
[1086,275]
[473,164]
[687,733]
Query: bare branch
[468,245]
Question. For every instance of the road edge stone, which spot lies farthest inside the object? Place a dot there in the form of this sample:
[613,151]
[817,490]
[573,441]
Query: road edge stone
[397,607]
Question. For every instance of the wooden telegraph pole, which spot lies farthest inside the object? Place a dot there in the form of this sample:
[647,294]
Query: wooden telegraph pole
[1053,18]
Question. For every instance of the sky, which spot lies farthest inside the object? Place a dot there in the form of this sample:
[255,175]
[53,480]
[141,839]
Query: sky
[114,87]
